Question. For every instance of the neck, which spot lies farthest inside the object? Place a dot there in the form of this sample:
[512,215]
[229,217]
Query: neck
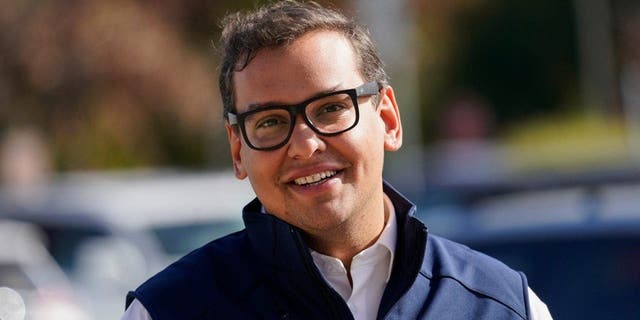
[353,236]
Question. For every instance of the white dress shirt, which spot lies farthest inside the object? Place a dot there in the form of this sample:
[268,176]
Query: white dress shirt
[370,272]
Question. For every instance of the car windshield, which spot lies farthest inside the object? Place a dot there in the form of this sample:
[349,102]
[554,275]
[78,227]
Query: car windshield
[178,240]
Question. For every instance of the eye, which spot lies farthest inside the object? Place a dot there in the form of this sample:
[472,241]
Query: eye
[270,122]
[332,107]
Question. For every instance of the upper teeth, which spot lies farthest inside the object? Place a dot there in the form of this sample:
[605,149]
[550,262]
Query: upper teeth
[314,177]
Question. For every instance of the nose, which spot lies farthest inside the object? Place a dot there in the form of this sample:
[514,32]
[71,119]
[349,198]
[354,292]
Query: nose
[304,142]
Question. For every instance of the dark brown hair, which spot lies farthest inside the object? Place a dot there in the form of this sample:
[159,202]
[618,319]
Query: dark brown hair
[280,23]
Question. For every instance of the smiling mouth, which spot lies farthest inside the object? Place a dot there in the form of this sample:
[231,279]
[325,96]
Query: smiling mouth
[315,179]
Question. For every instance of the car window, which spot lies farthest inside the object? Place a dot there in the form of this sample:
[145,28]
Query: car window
[178,240]
[63,242]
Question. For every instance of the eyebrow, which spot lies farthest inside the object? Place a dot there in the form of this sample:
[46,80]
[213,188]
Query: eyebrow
[255,106]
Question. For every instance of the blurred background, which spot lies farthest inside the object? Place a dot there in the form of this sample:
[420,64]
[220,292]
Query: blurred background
[522,139]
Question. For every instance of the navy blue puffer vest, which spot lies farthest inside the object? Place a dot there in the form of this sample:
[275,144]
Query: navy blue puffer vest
[266,272]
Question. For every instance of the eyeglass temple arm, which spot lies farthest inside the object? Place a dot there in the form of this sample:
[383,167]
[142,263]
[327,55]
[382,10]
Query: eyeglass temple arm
[369,88]
[232,118]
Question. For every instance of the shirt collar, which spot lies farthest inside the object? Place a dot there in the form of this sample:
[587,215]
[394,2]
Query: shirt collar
[389,234]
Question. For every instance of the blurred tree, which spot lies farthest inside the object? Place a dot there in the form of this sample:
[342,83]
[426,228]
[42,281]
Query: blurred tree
[519,57]
[115,84]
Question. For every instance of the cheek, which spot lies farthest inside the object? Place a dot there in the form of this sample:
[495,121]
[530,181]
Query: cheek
[260,166]
[250,163]
[371,132]
[365,144]
[371,138]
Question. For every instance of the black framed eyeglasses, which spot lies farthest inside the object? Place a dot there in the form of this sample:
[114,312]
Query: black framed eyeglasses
[329,114]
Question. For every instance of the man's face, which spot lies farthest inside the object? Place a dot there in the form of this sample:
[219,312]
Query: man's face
[350,163]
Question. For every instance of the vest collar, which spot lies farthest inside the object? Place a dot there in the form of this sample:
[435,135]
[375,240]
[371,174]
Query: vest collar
[281,244]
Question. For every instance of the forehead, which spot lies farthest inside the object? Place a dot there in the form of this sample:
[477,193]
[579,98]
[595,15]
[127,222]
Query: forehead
[313,63]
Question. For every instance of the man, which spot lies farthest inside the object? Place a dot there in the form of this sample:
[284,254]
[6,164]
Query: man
[309,117]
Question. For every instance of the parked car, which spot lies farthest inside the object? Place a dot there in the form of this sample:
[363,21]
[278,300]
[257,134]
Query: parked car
[31,278]
[111,231]
[578,241]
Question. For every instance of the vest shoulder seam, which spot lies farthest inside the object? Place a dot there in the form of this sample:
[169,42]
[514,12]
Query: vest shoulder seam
[475,291]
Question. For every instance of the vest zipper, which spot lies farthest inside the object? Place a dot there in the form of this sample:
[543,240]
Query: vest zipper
[323,286]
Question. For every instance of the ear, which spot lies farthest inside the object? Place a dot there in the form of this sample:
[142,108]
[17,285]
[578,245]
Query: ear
[390,115]
[235,144]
